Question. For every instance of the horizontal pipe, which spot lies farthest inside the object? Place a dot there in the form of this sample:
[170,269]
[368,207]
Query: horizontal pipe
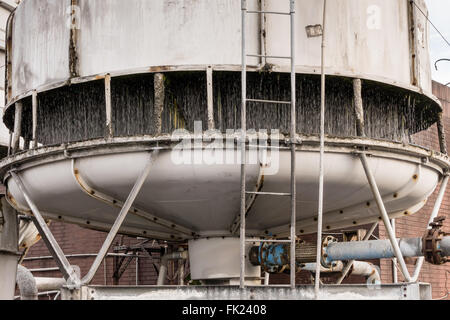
[277,255]
[368,250]
[49,284]
[26,283]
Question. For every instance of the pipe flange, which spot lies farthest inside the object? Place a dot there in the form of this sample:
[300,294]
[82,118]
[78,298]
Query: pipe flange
[431,241]
[324,259]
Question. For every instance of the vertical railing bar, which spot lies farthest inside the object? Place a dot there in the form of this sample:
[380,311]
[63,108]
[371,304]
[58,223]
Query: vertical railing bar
[10,143]
[293,147]
[17,127]
[394,261]
[34,115]
[243,141]
[322,147]
[109,126]
[441,134]
[263,32]
[210,92]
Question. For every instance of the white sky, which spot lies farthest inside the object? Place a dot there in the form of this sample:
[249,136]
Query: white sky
[439,11]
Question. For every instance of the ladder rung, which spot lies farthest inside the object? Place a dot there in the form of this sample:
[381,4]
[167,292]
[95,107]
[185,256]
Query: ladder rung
[273,241]
[270,12]
[269,193]
[269,57]
[268,101]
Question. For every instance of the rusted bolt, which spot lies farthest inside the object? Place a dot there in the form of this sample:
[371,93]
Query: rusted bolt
[328,227]
[395,195]
[368,203]
[315,219]
[302,231]
[406,213]
[415,177]
[341,212]
[354,222]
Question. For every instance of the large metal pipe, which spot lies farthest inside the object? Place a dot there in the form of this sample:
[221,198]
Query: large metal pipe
[26,283]
[379,249]
[29,286]
[277,255]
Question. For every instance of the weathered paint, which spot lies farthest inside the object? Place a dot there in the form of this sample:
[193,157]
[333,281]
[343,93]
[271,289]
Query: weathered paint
[366,39]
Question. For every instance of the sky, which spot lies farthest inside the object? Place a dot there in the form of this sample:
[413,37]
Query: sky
[439,11]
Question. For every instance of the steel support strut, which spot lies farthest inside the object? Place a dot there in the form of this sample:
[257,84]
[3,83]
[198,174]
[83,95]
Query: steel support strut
[385,217]
[52,245]
[120,219]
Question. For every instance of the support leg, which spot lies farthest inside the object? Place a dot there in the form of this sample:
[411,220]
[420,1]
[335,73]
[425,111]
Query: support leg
[385,217]
[56,251]
[9,255]
[120,219]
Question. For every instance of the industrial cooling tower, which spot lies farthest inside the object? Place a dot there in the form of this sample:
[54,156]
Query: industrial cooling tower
[95,87]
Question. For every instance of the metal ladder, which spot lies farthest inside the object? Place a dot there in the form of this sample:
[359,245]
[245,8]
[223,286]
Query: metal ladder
[293,141]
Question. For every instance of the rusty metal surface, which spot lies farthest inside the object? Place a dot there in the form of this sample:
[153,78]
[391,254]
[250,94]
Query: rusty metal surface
[431,241]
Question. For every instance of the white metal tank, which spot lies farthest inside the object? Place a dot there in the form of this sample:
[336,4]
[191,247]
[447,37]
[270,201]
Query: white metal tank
[110,81]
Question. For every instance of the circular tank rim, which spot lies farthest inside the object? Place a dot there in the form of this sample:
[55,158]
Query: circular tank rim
[352,145]
[218,68]
[378,149]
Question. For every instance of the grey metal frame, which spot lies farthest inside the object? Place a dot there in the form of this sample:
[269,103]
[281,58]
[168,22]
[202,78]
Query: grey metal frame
[56,251]
[64,266]
[293,140]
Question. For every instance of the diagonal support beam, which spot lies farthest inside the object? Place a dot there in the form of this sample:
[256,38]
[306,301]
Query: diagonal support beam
[120,219]
[64,266]
[385,217]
